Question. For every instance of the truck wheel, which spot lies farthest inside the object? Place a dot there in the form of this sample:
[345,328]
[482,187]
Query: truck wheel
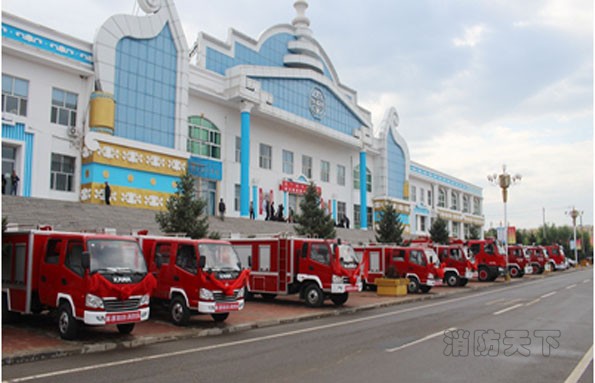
[412,286]
[540,270]
[313,295]
[463,282]
[178,312]
[126,328]
[514,272]
[268,297]
[425,289]
[67,323]
[452,279]
[483,274]
[220,317]
[339,299]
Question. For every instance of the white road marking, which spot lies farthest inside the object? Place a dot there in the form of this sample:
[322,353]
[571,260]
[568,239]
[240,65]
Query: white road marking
[494,301]
[548,294]
[508,309]
[576,374]
[570,287]
[254,340]
[420,340]
[586,281]
[533,302]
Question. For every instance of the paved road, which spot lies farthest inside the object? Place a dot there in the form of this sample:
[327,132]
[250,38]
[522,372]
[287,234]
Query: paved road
[535,332]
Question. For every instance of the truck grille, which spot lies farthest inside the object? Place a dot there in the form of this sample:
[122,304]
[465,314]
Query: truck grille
[114,305]
[220,297]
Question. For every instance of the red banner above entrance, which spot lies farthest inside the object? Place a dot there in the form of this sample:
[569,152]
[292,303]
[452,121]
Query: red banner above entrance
[296,187]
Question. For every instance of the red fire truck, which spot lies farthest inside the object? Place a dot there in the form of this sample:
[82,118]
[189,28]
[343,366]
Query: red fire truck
[518,261]
[458,270]
[418,263]
[195,276]
[557,259]
[94,279]
[488,257]
[315,269]
[539,259]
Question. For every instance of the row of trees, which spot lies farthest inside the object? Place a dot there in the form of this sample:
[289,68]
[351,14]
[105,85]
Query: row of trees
[186,214]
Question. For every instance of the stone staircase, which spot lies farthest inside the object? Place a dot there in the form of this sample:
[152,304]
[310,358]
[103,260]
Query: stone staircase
[76,216]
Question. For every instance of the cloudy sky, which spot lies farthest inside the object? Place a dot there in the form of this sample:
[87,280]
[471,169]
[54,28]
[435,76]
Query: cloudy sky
[477,84]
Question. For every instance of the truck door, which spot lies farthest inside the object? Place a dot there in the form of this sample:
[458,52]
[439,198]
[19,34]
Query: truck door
[319,263]
[186,271]
[49,271]
[418,265]
[163,274]
[71,280]
[396,262]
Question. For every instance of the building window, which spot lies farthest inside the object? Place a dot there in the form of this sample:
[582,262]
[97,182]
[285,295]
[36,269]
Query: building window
[422,223]
[455,229]
[341,210]
[454,201]
[430,202]
[422,195]
[63,107]
[204,138]
[413,194]
[287,162]
[62,174]
[265,157]
[476,206]
[356,216]
[465,204]
[325,171]
[236,197]
[307,166]
[441,197]
[238,149]
[368,179]
[341,175]
[15,93]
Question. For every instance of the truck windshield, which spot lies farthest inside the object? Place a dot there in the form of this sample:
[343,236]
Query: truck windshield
[347,256]
[116,256]
[432,257]
[219,256]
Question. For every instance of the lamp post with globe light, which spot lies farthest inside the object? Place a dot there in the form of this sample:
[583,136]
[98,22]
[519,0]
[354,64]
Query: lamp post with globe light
[574,214]
[504,181]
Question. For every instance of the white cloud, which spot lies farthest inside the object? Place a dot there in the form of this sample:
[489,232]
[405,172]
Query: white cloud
[471,37]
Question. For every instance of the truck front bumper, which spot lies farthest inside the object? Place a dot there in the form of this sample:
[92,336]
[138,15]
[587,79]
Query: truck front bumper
[340,288]
[96,318]
[208,307]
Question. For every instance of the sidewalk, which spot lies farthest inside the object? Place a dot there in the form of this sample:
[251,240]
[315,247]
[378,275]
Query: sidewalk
[36,337]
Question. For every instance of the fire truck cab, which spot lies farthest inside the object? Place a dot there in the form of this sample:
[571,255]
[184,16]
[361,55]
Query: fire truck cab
[195,276]
[488,257]
[518,261]
[457,268]
[91,279]
[316,269]
[557,258]
[539,259]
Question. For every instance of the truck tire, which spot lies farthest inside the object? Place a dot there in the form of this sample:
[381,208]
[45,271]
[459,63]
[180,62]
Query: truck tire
[179,314]
[313,295]
[68,326]
[540,270]
[483,274]
[220,317]
[463,282]
[514,272]
[452,279]
[125,328]
[425,289]
[339,299]
[412,286]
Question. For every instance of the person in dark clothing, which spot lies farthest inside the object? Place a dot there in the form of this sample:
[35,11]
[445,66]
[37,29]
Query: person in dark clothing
[280,217]
[272,212]
[3,184]
[14,181]
[221,209]
[346,221]
[267,210]
[251,210]
[107,192]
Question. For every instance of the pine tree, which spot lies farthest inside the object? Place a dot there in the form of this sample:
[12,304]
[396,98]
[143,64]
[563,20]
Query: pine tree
[390,228]
[185,212]
[473,232]
[439,231]
[314,221]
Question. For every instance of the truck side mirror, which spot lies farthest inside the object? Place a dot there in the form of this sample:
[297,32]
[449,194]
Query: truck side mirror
[202,261]
[86,260]
[158,260]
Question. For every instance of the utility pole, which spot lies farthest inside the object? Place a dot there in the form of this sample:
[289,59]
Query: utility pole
[544,223]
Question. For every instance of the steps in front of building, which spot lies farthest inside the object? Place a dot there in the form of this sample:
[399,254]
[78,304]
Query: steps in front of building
[76,216]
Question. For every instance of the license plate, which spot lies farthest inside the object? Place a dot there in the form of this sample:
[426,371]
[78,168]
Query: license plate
[224,307]
[115,318]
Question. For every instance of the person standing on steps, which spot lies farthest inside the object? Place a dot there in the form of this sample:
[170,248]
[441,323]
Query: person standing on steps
[14,182]
[222,209]
[107,192]
[251,210]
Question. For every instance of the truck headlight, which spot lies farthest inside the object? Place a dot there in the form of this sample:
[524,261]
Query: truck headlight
[337,279]
[430,276]
[206,294]
[93,301]
[241,292]
[144,300]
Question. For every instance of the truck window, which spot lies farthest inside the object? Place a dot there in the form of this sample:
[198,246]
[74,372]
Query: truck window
[264,257]
[186,258]
[474,249]
[244,252]
[163,249]
[74,257]
[52,254]
[456,254]
[489,248]
[374,260]
[6,262]
[399,255]
[20,255]
[417,257]
[319,253]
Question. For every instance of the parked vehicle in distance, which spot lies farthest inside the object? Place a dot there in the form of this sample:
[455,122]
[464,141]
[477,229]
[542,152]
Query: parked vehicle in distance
[518,261]
[489,258]
[316,269]
[86,278]
[195,276]
[458,269]
[557,258]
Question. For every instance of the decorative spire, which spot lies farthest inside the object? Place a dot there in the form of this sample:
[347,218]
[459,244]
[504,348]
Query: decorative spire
[301,22]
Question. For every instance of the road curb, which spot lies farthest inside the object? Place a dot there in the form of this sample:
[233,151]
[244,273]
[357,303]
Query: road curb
[199,333]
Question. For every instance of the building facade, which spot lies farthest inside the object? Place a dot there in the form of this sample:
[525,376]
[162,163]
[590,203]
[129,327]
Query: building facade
[253,120]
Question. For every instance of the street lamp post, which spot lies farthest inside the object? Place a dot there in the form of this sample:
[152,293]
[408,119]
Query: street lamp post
[574,214]
[504,181]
